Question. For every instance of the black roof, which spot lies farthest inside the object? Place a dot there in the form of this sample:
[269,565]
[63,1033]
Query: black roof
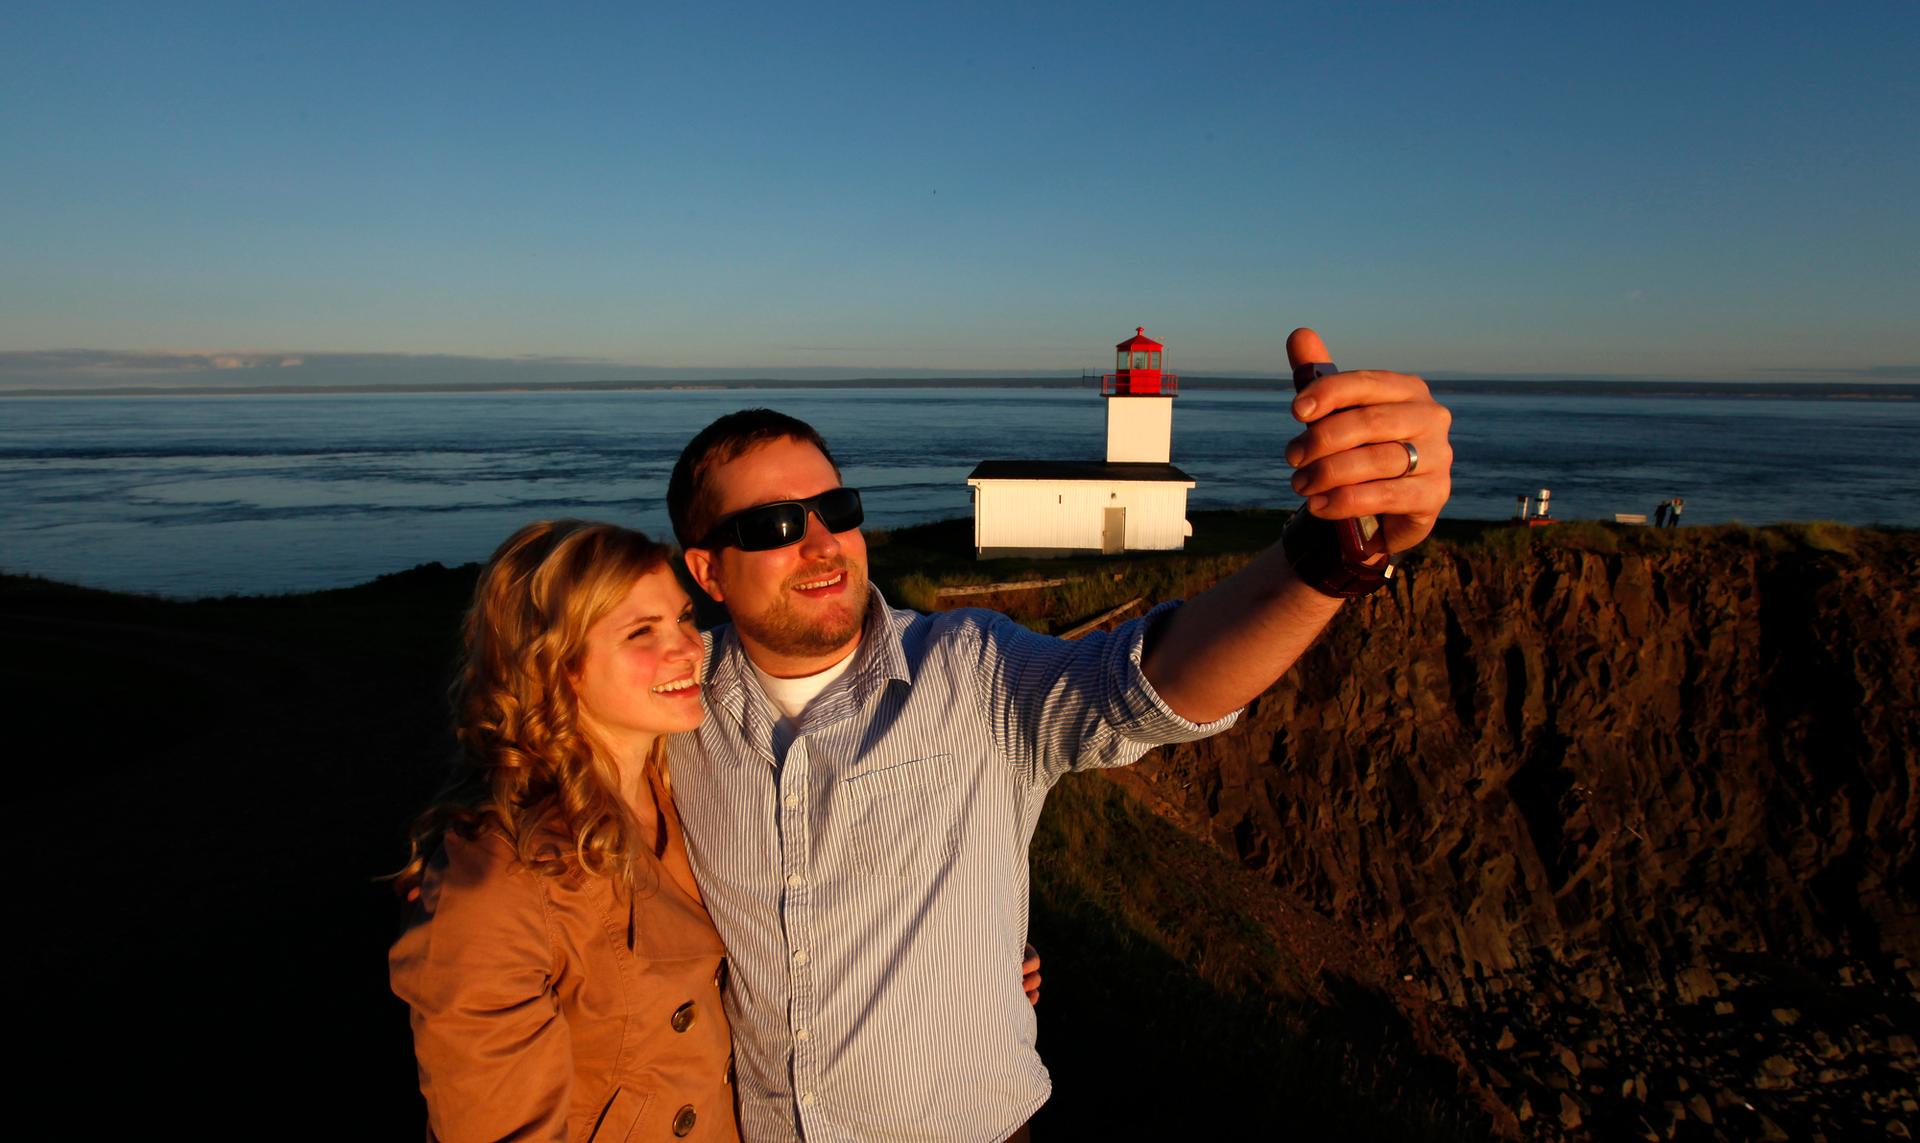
[1074,470]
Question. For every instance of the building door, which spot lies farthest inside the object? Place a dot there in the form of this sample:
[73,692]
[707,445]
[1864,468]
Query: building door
[1113,537]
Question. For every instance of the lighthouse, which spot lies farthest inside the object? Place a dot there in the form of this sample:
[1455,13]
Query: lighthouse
[1134,500]
[1139,402]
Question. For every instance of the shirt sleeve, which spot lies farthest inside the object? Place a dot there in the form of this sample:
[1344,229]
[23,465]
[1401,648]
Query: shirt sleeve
[1056,705]
[475,965]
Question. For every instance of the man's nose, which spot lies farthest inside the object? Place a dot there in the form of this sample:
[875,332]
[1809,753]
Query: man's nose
[819,540]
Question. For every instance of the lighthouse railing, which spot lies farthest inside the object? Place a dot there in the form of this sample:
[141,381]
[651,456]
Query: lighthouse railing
[1112,386]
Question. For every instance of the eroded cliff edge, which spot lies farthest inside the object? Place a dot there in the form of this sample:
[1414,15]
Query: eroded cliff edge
[1589,774]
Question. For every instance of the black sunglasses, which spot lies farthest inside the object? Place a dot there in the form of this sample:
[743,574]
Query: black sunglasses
[764,527]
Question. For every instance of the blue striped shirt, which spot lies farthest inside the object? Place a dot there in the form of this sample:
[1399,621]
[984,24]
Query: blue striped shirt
[871,884]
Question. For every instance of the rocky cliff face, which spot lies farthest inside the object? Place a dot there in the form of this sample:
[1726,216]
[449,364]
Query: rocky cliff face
[1562,752]
[1596,773]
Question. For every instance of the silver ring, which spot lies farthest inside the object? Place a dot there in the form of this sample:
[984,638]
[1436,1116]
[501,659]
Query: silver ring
[1413,457]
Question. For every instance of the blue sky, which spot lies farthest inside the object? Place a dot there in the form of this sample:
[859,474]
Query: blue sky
[1709,190]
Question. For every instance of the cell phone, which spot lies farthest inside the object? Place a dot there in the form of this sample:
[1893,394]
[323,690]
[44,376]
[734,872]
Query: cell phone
[1358,539]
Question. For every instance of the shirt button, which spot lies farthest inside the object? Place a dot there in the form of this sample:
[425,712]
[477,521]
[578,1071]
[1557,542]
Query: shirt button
[682,1017]
[683,1121]
[806,1100]
[793,800]
[794,880]
[802,1035]
[800,957]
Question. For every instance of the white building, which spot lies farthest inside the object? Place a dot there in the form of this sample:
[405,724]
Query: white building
[1135,500]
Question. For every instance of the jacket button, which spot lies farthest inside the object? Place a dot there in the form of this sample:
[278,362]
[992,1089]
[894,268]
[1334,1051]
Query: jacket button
[683,1121]
[682,1017]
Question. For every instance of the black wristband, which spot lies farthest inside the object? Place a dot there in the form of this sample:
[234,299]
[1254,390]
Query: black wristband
[1313,548]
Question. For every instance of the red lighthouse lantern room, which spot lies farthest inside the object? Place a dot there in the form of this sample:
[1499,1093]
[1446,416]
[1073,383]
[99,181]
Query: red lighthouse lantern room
[1137,371]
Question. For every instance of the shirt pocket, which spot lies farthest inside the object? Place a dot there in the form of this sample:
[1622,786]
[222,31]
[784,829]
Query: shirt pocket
[906,817]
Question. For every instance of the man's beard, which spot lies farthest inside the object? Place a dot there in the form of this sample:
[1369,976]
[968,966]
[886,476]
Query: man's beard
[783,630]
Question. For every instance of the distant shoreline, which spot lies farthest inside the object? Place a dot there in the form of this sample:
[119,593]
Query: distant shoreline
[1787,390]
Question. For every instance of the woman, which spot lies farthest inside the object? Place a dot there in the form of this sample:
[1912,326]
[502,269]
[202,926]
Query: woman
[563,975]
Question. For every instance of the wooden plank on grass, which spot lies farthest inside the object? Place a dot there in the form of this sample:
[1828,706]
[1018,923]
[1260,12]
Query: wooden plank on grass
[1108,617]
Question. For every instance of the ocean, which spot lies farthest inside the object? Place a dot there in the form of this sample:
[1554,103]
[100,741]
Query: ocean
[196,496]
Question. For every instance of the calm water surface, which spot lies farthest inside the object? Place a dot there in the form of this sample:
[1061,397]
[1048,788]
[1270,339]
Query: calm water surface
[193,496]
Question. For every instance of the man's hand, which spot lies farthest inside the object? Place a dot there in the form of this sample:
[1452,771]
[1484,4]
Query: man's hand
[1030,975]
[1349,459]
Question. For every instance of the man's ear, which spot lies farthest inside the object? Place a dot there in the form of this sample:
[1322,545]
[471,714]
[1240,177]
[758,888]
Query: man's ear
[701,566]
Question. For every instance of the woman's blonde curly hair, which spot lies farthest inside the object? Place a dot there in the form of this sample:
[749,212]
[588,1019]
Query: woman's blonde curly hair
[524,760]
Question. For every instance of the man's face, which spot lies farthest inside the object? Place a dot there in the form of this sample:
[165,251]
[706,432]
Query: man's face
[798,609]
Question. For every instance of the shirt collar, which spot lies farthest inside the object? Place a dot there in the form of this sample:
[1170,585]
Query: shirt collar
[880,659]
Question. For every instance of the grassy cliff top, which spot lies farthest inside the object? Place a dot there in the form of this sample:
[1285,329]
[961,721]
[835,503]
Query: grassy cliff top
[913,565]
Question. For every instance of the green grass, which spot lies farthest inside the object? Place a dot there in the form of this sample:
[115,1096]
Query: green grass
[1820,536]
[911,564]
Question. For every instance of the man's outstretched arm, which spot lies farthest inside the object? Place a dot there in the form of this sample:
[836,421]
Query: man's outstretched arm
[1229,644]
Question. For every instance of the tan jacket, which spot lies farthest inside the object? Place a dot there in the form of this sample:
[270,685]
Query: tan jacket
[533,1016]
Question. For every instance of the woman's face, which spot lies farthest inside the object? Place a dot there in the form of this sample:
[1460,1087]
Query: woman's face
[638,679]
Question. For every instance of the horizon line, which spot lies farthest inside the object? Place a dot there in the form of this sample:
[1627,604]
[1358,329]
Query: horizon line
[1643,385]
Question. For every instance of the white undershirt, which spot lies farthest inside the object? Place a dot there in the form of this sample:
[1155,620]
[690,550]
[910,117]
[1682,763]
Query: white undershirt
[791,696]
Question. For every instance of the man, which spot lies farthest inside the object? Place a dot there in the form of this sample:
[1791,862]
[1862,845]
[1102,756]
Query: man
[860,798]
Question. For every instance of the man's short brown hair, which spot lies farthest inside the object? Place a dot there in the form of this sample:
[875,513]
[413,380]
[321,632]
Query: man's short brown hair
[690,501]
